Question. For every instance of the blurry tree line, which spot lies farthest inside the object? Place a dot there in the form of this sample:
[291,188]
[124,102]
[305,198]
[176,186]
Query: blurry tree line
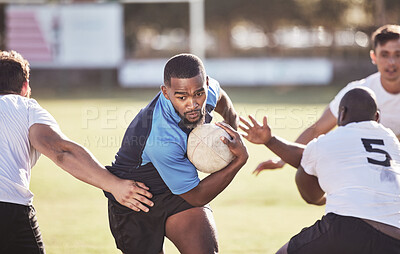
[222,17]
[252,27]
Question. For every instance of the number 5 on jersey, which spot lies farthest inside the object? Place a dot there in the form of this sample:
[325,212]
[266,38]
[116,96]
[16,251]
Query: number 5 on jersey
[368,146]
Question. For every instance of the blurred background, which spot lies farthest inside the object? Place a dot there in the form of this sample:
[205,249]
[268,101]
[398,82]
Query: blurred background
[243,42]
[95,64]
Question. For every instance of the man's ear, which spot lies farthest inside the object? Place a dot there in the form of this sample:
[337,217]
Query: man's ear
[373,56]
[164,90]
[341,115]
[25,89]
[207,81]
[378,116]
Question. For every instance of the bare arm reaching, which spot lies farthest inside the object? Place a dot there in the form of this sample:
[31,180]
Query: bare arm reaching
[225,108]
[307,185]
[324,124]
[215,183]
[80,163]
[261,134]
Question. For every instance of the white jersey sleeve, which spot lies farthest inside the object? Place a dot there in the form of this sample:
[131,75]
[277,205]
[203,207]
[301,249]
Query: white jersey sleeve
[37,114]
[309,159]
[17,156]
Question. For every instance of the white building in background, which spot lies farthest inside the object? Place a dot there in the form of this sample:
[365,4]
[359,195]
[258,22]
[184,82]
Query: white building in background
[90,35]
[73,35]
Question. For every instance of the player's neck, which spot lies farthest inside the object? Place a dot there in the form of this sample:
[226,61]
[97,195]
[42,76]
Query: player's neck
[8,92]
[390,86]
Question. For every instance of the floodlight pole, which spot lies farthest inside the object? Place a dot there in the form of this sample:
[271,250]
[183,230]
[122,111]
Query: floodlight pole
[197,28]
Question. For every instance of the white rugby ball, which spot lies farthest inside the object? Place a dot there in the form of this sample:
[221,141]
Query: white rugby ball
[206,150]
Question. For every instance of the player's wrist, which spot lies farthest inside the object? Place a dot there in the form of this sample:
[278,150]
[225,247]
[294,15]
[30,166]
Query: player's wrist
[269,140]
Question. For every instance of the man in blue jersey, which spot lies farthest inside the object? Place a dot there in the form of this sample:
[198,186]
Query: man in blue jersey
[153,151]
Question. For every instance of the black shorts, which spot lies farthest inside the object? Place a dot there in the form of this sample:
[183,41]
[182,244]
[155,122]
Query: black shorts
[335,234]
[140,232]
[19,230]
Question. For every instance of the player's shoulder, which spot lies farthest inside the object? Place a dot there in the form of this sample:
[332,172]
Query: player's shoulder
[371,81]
[213,85]
[214,90]
[18,100]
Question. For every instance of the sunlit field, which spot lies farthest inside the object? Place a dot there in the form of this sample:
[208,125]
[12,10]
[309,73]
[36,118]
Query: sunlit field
[253,215]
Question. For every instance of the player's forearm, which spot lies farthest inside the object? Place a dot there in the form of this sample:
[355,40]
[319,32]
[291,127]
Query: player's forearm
[306,136]
[213,184]
[323,125]
[78,162]
[287,151]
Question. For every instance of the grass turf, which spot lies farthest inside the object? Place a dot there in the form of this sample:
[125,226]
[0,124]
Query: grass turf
[253,215]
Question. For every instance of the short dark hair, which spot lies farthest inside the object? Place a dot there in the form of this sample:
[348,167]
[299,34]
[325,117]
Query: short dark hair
[183,66]
[14,71]
[360,103]
[384,34]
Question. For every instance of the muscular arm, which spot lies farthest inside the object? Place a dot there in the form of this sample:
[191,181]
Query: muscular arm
[307,185]
[215,183]
[80,163]
[258,133]
[323,125]
[309,188]
[288,151]
[225,108]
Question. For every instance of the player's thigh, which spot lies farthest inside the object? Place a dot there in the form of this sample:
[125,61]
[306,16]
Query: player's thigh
[137,232]
[193,231]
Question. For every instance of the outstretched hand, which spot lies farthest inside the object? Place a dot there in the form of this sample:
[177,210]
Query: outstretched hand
[271,164]
[134,195]
[254,131]
[260,134]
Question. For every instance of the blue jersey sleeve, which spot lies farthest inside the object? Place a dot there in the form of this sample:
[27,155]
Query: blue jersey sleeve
[213,92]
[174,167]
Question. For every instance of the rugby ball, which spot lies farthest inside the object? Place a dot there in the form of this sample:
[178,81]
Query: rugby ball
[206,150]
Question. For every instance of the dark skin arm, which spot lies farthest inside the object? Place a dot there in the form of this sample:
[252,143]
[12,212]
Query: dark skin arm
[309,188]
[307,185]
[215,183]
[261,134]
[323,125]
[225,108]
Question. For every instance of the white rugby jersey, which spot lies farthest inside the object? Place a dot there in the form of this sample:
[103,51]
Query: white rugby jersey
[388,104]
[357,165]
[17,157]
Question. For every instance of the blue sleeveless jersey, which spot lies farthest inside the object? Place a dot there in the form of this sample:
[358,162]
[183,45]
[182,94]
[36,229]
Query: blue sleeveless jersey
[153,150]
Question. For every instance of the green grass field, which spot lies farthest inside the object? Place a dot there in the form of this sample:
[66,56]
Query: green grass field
[253,215]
